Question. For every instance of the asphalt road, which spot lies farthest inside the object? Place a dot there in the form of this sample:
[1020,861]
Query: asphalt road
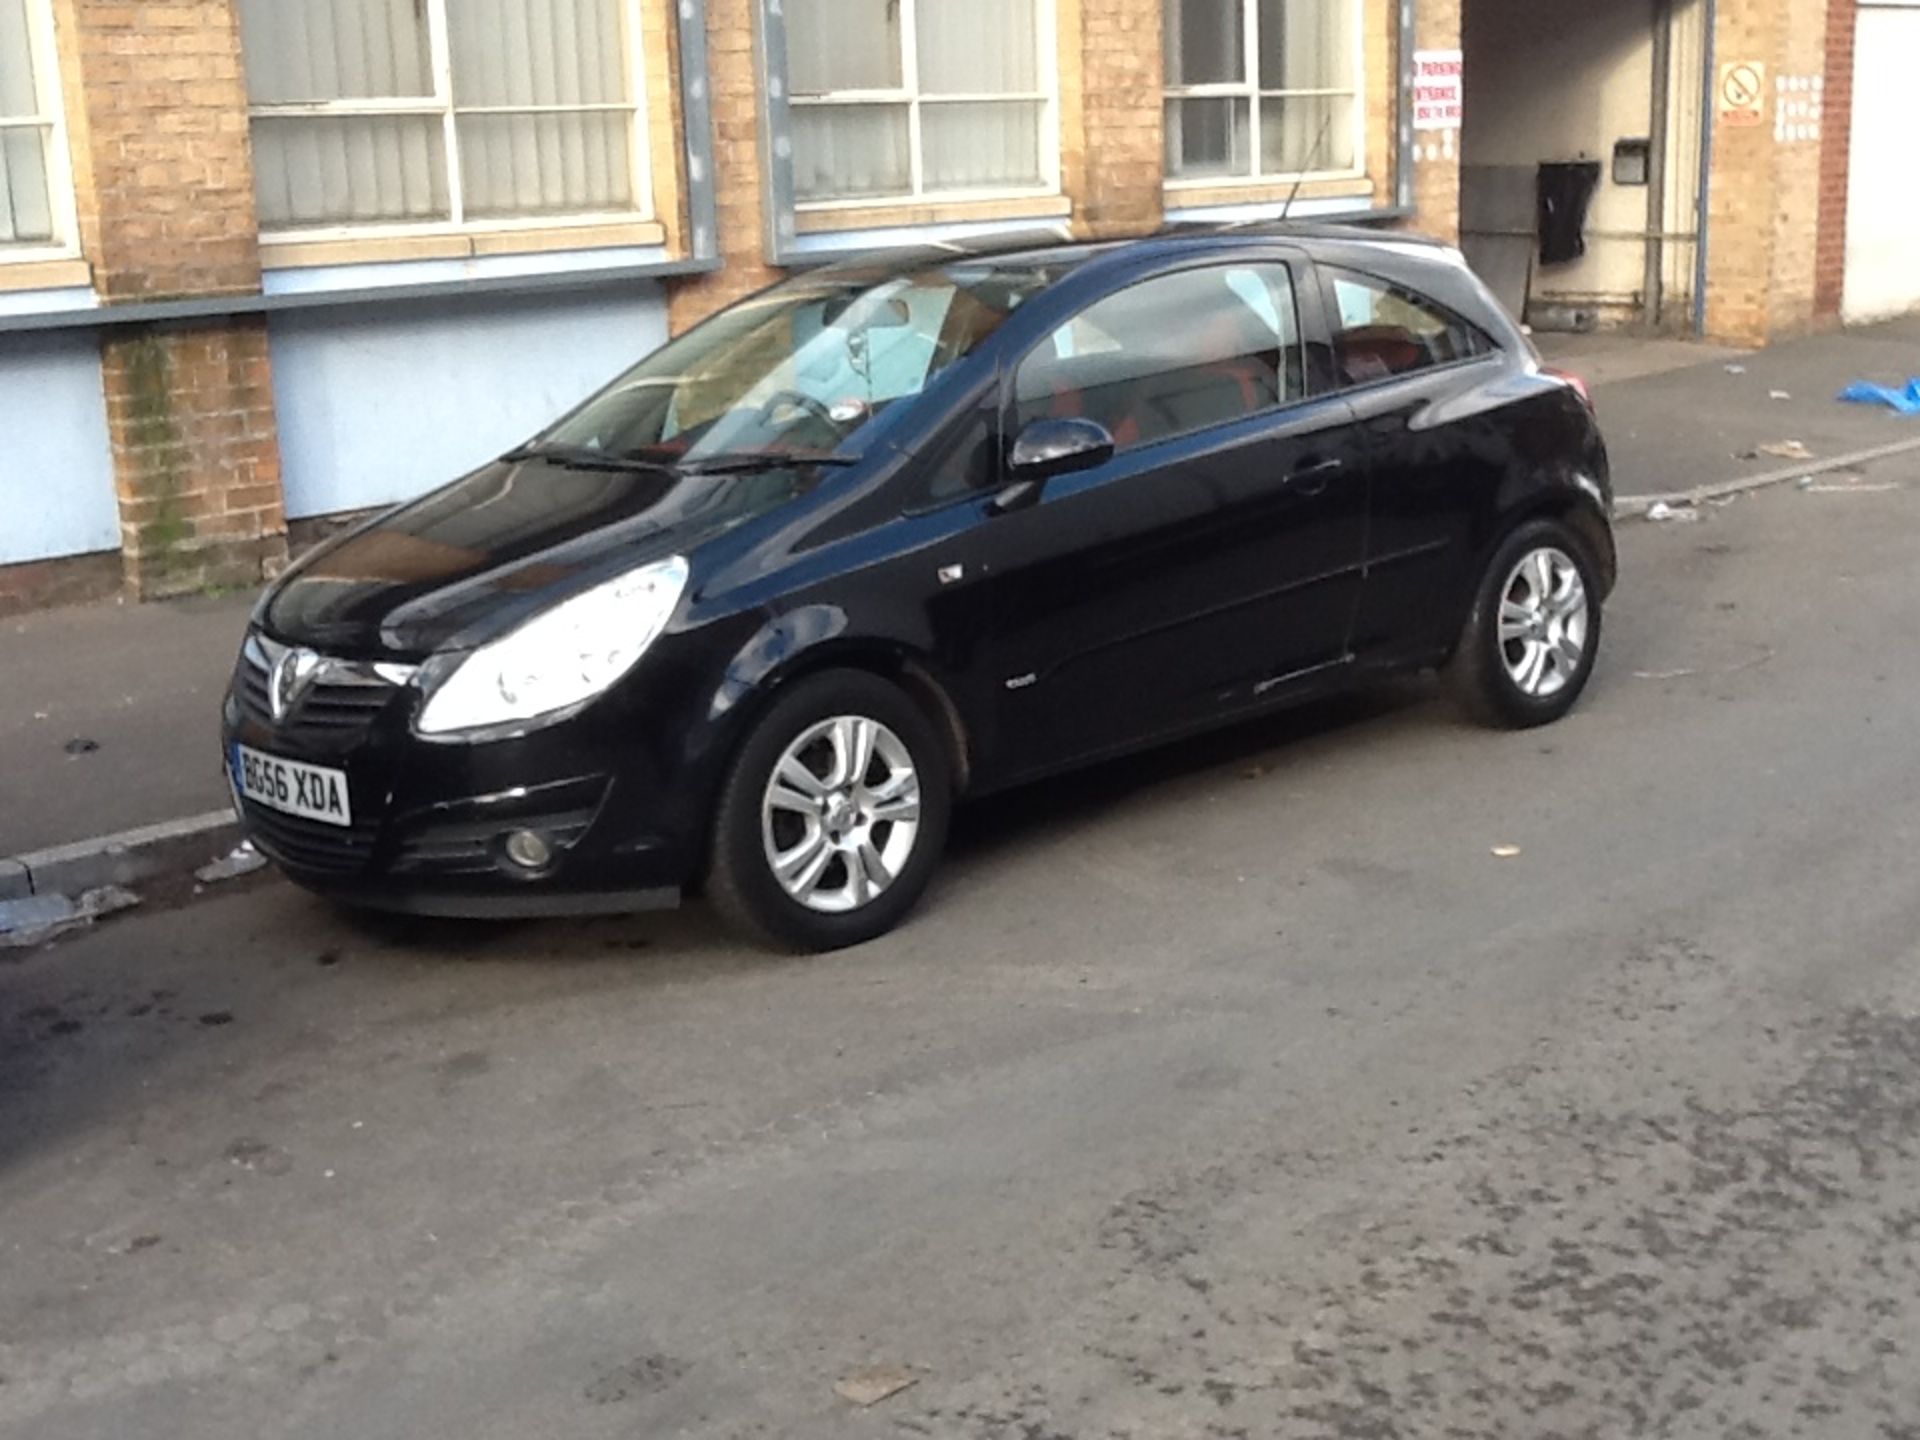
[1238,1091]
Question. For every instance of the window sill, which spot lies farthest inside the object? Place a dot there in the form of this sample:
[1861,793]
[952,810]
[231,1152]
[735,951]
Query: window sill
[292,252]
[26,274]
[839,216]
[1190,194]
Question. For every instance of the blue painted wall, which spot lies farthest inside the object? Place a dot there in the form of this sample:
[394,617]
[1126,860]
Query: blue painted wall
[379,403]
[56,465]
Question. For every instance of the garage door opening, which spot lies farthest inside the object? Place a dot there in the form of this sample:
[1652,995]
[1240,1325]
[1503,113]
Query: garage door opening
[1602,104]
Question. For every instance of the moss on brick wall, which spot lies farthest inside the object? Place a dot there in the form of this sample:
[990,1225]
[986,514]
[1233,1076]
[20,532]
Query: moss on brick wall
[156,456]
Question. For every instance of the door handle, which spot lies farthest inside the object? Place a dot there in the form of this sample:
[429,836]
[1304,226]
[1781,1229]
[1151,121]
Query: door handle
[1312,476]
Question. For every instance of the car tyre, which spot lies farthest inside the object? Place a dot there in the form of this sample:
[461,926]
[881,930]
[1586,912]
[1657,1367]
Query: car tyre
[1528,645]
[832,817]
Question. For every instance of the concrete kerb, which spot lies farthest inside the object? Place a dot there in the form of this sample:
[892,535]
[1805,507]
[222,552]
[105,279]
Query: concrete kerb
[124,859]
[1629,506]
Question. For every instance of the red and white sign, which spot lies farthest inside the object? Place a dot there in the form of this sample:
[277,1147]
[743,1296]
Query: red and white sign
[1743,94]
[1438,89]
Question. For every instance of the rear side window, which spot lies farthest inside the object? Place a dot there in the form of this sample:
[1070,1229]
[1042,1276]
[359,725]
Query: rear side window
[1171,355]
[1382,329]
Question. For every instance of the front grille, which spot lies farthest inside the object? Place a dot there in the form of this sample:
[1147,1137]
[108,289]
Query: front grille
[340,702]
[308,846]
[253,683]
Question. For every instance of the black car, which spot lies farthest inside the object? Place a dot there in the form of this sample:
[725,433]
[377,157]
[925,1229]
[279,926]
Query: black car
[897,531]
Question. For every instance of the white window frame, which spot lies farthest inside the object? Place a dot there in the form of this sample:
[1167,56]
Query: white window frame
[440,104]
[43,60]
[1046,61]
[1251,90]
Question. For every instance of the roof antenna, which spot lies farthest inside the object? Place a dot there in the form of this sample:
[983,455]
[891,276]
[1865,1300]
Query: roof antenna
[1326,124]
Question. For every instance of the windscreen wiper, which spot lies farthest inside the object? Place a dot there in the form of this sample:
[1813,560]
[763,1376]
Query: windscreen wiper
[747,462]
[585,457]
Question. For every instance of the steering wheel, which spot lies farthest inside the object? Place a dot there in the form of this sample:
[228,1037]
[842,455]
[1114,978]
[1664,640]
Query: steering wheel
[816,408]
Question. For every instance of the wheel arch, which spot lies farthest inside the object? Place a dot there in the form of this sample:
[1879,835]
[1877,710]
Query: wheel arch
[786,652]
[1583,515]
[1570,503]
[1567,503]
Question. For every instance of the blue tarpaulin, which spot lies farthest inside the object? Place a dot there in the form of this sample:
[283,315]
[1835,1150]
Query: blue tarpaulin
[1906,402]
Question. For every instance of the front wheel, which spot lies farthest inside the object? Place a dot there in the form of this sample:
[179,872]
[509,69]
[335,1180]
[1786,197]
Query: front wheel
[833,816]
[1528,646]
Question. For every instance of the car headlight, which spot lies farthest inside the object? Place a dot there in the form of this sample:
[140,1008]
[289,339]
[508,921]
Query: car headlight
[562,657]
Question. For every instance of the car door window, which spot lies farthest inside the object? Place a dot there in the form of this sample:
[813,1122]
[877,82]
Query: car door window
[1171,355]
[1382,329]
[966,464]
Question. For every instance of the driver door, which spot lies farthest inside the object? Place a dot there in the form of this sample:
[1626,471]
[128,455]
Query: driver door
[1217,554]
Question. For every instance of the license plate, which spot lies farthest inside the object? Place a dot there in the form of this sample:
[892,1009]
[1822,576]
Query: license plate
[309,791]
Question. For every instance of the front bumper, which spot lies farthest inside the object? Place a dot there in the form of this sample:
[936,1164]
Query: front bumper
[612,795]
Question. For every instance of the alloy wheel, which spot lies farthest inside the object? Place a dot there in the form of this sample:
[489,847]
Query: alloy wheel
[1543,622]
[841,813]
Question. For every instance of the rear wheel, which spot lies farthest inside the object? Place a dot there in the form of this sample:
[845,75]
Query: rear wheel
[1528,645]
[833,816]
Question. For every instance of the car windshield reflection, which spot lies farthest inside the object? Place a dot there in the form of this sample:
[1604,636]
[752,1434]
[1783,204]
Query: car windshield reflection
[799,371]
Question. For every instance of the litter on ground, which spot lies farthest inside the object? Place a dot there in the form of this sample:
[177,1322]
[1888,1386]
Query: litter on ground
[1661,510]
[243,859]
[1904,400]
[872,1385]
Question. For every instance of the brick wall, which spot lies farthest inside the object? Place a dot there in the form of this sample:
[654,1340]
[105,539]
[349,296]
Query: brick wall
[163,179]
[1801,57]
[1830,249]
[1436,166]
[162,173]
[196,456]
[1120,130]
[1764,190]
[738,188]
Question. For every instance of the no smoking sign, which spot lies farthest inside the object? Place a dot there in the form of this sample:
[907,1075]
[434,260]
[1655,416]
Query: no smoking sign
[1743,93]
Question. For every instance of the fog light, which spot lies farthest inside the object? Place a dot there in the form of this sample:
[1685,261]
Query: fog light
[529,849]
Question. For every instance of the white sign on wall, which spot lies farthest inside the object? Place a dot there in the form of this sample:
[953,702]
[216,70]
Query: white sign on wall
[1438,89]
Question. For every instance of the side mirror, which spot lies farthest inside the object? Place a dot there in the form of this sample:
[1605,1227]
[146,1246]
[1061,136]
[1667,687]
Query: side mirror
[1047,448]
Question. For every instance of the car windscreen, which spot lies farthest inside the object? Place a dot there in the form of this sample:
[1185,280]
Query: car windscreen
[800,368]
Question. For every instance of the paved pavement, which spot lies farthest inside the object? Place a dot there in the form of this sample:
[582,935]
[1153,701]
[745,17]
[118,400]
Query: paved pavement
[1676,429]
[1608,357]
[1235,1091]
[142,684]
[144,681]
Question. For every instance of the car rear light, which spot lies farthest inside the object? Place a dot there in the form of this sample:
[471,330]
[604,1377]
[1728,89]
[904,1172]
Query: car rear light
[1574,382]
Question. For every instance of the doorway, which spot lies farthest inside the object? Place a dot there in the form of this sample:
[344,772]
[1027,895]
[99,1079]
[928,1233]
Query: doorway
[1606,100]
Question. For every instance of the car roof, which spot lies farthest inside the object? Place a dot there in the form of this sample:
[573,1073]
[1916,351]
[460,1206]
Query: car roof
[1424,264]
[1046,249]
